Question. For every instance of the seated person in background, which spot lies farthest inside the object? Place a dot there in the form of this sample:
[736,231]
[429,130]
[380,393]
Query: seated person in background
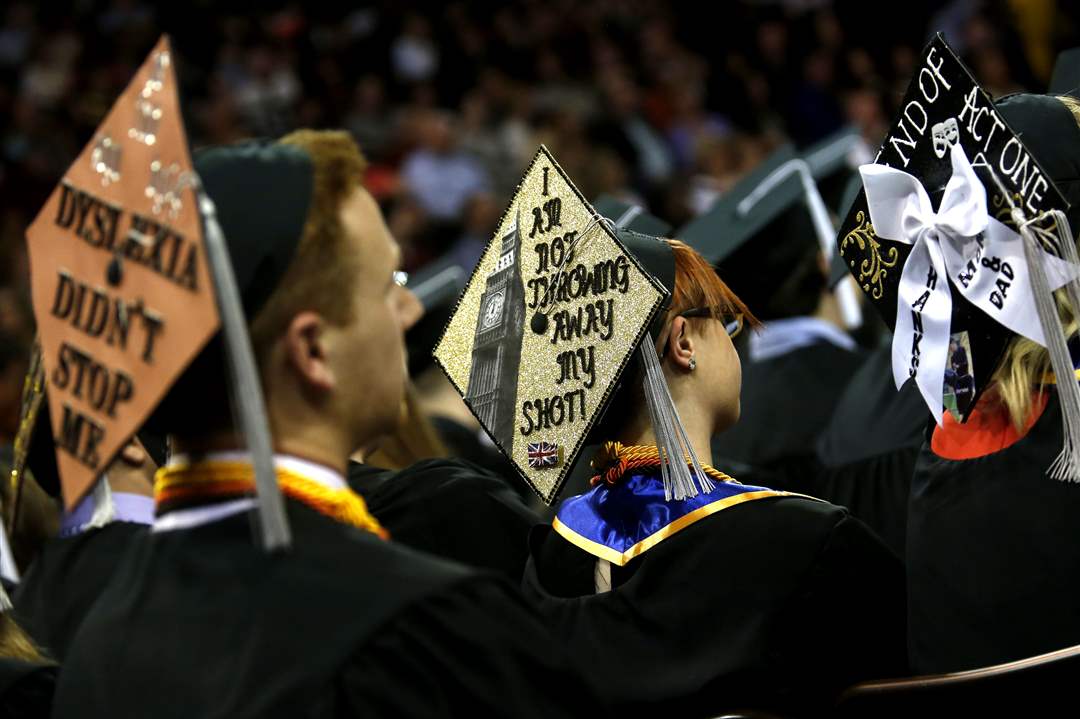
[740,596]
[70,571]
[199,621]
[27,677]
[868,448]
[796,366]
[993,573]
[422,489]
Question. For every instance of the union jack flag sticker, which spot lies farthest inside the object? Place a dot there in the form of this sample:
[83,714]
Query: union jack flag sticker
[544,454]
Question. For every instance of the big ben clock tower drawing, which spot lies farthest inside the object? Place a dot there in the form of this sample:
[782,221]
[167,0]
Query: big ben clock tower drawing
[496,353]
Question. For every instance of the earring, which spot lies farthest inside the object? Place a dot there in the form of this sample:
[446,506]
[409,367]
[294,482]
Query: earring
[693,364]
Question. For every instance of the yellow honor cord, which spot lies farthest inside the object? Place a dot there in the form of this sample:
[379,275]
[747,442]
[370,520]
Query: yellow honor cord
[615,459]
[208,479]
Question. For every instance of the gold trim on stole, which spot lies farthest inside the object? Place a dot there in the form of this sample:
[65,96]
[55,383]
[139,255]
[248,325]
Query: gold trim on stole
[621,558]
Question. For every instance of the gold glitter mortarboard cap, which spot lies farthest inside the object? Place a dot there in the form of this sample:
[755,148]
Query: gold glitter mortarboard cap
[546,325]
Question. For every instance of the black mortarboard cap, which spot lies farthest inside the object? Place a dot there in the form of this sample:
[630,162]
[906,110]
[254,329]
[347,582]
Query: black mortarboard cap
[262,192]
[1052,133]
[1065,79]
[833,161]
[838,269]
[1044,142]
[631,217]
[437,286]
[723,230]
[763,245]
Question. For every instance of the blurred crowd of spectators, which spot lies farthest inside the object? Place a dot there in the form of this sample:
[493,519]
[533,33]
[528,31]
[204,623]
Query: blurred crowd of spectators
[664,103]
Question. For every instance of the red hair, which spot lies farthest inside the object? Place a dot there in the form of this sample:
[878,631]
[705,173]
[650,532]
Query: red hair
[698,285]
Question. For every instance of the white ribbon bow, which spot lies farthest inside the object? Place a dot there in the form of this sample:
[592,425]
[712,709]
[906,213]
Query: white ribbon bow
[959,245]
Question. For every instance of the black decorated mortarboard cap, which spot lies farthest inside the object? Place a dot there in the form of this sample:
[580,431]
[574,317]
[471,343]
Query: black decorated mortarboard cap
[631,216]
[875,262]
[1011,154]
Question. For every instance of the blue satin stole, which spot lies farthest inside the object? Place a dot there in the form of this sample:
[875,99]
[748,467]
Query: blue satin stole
[620,522]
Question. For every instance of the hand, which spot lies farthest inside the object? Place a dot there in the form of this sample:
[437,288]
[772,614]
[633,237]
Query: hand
[132,471]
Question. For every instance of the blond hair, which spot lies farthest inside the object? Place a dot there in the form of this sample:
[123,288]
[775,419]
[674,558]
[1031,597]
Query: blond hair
[1026,364]
[15,643]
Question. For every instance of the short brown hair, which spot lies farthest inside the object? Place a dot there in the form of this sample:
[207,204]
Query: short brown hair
[324,268]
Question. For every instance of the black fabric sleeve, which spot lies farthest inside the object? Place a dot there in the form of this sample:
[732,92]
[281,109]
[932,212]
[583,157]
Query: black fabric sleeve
[473,649]
[850,614]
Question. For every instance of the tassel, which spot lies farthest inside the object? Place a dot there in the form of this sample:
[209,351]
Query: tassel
[1066,467]
[672,442]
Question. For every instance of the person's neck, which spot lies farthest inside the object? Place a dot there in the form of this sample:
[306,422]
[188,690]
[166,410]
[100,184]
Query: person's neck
[828,310]
[315,452]
[699,433]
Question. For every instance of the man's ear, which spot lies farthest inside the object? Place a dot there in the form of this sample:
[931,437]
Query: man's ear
[306,351]
[680,346]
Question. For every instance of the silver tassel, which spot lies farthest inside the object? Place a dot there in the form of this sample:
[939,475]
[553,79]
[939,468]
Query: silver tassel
[1066,467]
[672,442]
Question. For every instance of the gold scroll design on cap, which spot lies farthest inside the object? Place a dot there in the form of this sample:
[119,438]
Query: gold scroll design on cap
[1003,210]
[874,268]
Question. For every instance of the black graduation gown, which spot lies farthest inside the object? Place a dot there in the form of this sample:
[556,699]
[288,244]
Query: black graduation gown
[772,604]
[786,401]
[66,578]
[450,508]
[468,444]
[867,451]
[993,561]
[202,623]
[26,689]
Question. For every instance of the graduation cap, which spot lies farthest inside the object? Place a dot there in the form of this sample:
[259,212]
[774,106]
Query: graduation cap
[631,217]
[959,233]
[1065,79]
[558,306]
[765,233]
[838,268]
[127,289]
[834,160]
[437,286]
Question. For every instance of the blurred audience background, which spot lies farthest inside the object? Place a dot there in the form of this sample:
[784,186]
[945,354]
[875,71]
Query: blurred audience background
[664,104]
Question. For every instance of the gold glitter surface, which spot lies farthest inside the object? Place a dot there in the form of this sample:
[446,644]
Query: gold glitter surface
[539,368]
